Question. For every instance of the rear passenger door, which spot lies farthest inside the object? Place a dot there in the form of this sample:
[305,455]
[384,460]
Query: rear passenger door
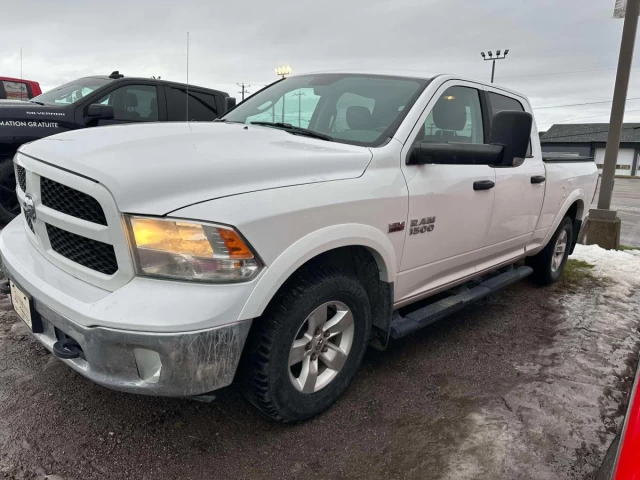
[518,200]
[192,106]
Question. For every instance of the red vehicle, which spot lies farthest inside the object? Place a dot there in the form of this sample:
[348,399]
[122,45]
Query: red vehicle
[622,461]
[18,89]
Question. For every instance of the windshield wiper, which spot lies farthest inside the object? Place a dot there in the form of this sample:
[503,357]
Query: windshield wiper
[39,103]
[295,130]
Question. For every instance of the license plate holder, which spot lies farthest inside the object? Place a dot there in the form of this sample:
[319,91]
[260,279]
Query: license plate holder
[24,306]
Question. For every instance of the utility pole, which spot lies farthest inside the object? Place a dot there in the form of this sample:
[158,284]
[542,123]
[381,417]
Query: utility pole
[244,89]
[283,71]
[493,59]
[187,95]
[604,224]
[300,94]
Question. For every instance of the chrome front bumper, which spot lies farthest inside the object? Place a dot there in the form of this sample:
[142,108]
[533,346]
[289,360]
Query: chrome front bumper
[166,364]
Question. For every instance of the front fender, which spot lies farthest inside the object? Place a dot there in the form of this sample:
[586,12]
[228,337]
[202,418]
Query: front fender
[312,245]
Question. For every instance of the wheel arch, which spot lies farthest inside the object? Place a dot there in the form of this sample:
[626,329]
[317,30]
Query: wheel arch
[361,250]
[573,207]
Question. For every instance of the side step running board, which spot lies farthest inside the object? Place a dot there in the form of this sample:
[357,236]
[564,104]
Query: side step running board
[404,325]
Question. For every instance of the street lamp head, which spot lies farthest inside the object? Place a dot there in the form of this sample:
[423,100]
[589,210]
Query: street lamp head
[283,70]
[490,54]
[497,53]
[482,53]
[505,52]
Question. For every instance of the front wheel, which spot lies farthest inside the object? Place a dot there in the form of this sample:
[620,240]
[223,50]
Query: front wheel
[9,205]
[307,346]
[549,263]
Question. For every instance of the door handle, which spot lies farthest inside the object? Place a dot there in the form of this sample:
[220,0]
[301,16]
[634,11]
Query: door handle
[538,179]
[483,185]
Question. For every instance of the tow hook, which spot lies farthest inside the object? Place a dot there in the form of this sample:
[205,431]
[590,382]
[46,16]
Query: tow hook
[67,349]
[5,289]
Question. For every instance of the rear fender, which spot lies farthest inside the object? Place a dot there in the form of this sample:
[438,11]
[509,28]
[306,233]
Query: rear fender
[575,196]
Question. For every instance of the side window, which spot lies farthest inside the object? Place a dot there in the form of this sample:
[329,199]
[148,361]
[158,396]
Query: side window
[202,106]
[15,90]
[456,117]
[353,107]
[133,103]
[500,103]
[296,108]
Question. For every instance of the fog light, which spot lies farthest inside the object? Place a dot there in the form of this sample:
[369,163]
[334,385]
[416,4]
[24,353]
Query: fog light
[149,364]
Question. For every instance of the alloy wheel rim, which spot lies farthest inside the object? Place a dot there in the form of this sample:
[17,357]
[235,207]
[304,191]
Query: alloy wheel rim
[321,347]
[559,251]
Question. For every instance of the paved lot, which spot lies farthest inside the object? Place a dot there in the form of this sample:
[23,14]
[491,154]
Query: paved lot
[626,198]
[528,384]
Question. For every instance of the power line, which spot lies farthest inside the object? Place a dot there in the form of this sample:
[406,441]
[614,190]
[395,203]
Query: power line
[592,116]
[580,104]
[560,73]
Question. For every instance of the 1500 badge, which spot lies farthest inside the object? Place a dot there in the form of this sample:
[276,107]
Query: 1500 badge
[422,225]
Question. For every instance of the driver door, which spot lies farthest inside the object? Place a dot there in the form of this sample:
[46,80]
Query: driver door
[448,217]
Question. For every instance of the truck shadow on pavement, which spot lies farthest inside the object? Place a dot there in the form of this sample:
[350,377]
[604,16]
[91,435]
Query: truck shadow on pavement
[439,404]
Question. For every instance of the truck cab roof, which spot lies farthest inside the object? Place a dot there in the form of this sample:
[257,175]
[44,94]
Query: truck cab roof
[156,81]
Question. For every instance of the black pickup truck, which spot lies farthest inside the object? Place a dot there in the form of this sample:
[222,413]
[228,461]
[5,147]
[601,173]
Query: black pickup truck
[92,102]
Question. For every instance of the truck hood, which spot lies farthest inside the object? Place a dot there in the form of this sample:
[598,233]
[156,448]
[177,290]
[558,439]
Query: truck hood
[157,168]
[19,109]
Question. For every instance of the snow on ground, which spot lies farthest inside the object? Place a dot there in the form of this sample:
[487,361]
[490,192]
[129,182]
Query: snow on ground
[621,266]
[558,422]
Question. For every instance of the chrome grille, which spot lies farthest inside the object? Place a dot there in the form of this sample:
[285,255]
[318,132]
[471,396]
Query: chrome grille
[89,253]
[71,201]
[22,178]
[29,221]
[77,224]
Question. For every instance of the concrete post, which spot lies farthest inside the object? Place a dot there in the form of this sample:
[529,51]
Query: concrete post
[607,231]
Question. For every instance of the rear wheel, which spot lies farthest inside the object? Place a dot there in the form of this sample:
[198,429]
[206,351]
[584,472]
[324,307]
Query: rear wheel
[549,263]
[307,346]
[9,206]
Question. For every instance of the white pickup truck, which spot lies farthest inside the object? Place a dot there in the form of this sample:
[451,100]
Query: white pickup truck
[325,213]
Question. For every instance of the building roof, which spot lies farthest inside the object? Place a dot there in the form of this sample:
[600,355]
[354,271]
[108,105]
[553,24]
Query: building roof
[589,133]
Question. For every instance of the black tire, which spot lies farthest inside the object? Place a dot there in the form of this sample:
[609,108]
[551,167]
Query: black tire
[9,206]
[542,262]
[265,371]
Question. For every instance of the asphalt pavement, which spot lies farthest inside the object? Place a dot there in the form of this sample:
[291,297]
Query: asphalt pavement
[626,199]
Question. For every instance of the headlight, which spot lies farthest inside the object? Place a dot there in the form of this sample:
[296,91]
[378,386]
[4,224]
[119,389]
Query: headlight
[190,251]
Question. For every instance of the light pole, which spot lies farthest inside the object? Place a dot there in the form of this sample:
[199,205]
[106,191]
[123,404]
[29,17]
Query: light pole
[493,59]
[283,71]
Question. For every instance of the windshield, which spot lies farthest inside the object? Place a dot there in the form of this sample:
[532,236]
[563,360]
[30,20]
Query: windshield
[71,92]
[356,109]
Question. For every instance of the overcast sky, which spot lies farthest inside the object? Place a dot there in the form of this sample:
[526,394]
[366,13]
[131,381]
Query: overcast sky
[243,41]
